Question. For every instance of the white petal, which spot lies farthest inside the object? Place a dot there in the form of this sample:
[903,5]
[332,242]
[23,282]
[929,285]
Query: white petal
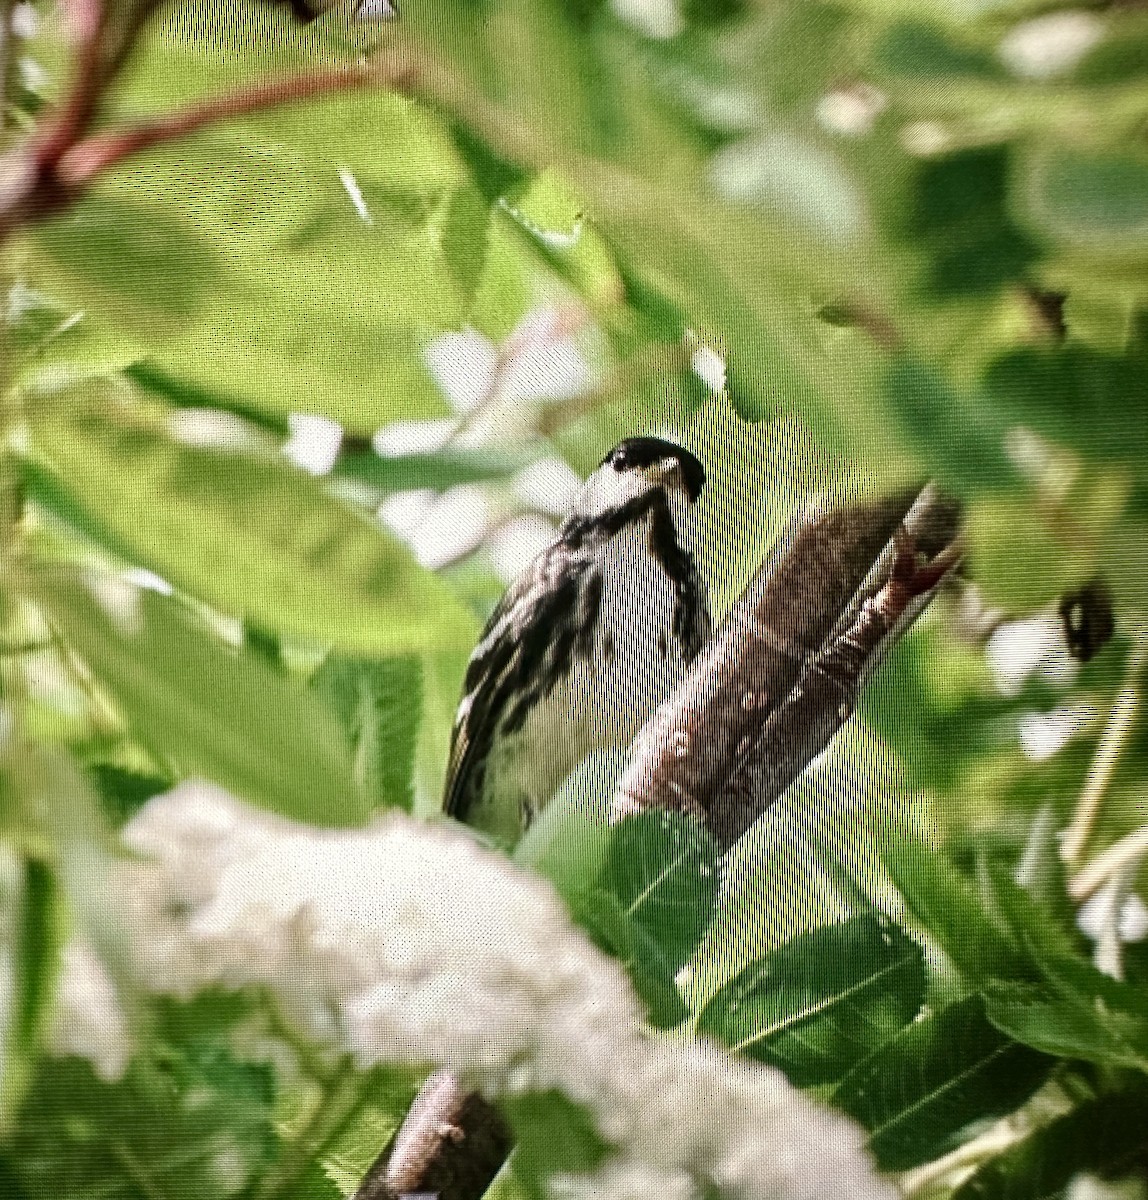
[463,365]
[314,442]
[1052,44]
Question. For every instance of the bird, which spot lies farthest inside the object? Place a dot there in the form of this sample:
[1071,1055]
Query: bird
[587,641]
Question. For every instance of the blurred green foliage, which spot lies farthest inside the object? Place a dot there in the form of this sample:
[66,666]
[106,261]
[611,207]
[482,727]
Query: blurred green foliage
[832,245]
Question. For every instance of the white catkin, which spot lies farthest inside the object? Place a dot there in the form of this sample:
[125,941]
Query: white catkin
[412,944]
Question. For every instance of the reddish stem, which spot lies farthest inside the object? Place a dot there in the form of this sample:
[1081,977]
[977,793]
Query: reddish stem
[86,18]
[82,162]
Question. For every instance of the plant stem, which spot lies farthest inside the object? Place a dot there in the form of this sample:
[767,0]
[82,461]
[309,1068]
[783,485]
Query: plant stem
[1121,722]
[87,159]
[35,969]
[6,57]
[1120,856]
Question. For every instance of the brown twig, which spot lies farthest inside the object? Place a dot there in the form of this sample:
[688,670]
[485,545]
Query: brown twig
[61,159]
[87,19]
[98,153]
[31,186]
[452,1144]
[784,672]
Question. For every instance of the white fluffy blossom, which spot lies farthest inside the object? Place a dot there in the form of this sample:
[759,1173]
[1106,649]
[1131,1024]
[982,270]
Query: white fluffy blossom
[407,943]
[89,1021]
[655,18]
[1016,650]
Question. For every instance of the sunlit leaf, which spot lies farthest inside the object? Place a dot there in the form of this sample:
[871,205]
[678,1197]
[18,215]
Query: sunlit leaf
[947,906]
[245,532]
[663,869]
[553,1135]
[194,703]
[821,1003]
[379,704]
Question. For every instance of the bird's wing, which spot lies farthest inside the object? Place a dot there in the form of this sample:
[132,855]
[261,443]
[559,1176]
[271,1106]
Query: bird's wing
[527,644]
[482,704]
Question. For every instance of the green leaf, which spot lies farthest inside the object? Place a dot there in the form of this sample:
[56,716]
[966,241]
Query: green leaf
[821,1003]
[1075,1012]
[1030,923]
[191,701]
[663,869]
[190,1125]
[957,432]
[1014,556]
[349,1156]
[249,534]
[318,254]
[947,906]
[379,706]
[439,470]
[1090,200]
[10,1186]
[959,213]
[1104,1136]
[35,966]
[553,1135]
[554,221]
[316,1184]
[124,792]
[912,48]
[919,1093]
[613,931]
[1079,396]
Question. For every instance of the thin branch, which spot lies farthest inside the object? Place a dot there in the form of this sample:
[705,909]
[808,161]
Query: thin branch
[57,164]
[1121,722]
[1120,856]
[102,151]
[451,1144]
[87,20]
[784,672]
[102,37]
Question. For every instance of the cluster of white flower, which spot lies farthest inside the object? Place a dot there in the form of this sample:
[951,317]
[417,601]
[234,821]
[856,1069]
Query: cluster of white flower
[406,943]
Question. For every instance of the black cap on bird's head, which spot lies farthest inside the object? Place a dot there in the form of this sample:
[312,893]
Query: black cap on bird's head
[659,461]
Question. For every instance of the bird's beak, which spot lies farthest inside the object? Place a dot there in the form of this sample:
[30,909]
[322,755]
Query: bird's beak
[667,472]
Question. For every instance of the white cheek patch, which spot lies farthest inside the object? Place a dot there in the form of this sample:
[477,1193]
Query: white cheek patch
[608,489]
